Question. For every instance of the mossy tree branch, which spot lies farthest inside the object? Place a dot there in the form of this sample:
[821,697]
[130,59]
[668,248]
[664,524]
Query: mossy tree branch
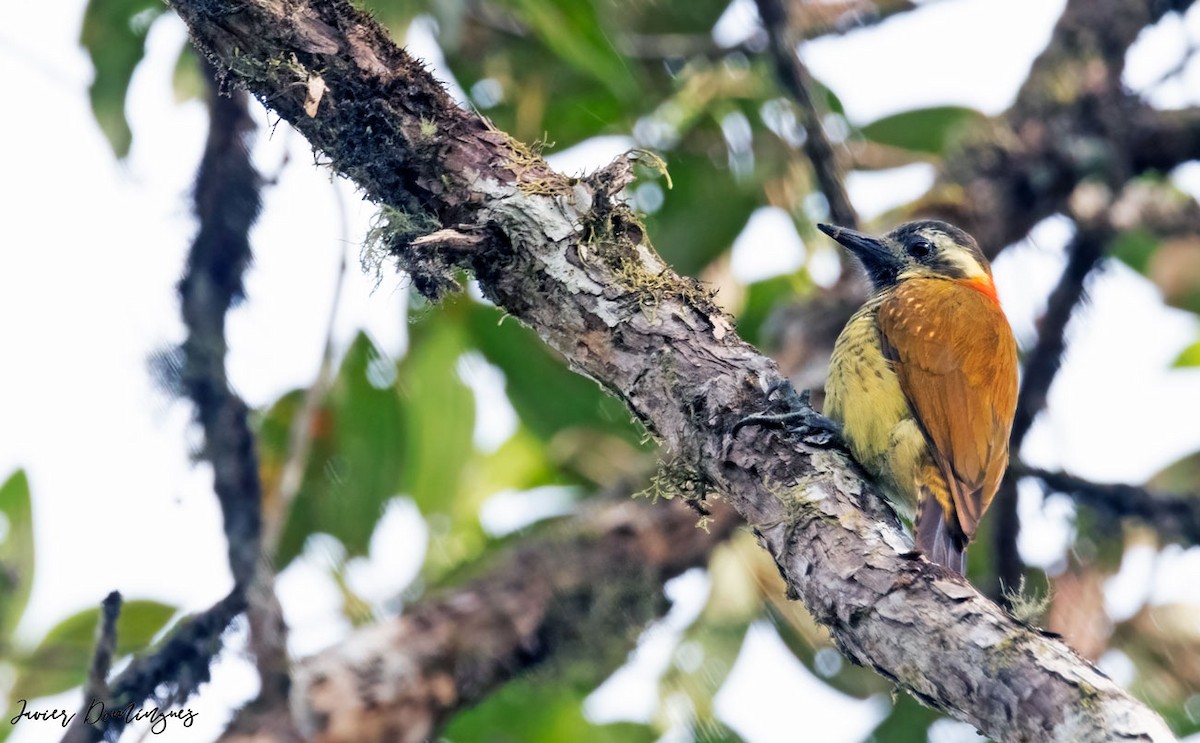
[569,259]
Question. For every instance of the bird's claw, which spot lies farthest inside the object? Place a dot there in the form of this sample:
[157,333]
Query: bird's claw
[798,417]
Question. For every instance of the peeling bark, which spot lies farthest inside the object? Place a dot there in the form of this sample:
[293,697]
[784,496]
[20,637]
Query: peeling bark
[565,257]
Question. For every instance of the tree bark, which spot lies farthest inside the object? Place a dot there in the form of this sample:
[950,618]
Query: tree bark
[568,258]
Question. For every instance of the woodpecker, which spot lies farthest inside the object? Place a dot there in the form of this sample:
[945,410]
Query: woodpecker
[923,380]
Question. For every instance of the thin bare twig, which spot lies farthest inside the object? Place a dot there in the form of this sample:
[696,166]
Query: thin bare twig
[1084,254]
[1172,516]
[300,435]
[794,78]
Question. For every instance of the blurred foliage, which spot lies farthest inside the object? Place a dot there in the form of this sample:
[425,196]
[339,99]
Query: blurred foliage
[1189,356]
[114,32]
[929,130]
[908,722]
[561,73]
[708,649]
[1163,642]
[536,709]
[549,398]
[16,552]
[357,456]
[1181,476]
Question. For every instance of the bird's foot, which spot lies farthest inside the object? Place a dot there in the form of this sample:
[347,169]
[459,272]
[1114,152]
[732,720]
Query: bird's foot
[798,417]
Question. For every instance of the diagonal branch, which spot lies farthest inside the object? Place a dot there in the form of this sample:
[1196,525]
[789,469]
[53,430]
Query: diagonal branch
[564,256]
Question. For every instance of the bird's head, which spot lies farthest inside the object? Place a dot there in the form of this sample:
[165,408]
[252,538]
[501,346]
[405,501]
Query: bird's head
[927,249]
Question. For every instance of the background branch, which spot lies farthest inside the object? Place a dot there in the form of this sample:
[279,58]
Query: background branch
[1042,363]
[1174,517]
[227,202]
[1072,120]
[583,589]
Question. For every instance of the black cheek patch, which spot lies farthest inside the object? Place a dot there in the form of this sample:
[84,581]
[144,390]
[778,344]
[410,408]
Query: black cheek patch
[945,267]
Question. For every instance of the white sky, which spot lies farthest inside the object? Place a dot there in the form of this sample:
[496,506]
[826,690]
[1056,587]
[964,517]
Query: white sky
[90,250]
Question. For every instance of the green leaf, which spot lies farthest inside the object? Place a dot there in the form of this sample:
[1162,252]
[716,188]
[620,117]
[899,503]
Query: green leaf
[1181,476]
[702,661]
[923,129]
[1190,356]
[533,710]
[1182,721]
[541,97]
[16,551]
[1175,269]
[572,30]
[464,551]
[908,721]
[357,456]
[713,730]
[396,15]
[1134,248]
[441,408]
[520,463]
[687,237]
[762,297]
[693,17]
[710,646]
[114,34]
[60,662]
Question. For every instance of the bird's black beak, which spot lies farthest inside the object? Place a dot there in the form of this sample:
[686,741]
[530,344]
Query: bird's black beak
[883,265]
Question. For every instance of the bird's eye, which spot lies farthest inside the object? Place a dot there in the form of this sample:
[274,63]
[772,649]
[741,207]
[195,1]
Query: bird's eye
[920,248]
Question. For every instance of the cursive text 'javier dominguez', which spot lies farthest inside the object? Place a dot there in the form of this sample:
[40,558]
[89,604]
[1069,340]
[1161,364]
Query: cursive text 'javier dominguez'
[98,712]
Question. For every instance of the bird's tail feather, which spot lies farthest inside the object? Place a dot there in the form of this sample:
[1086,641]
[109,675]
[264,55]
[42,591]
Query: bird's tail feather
[934,536]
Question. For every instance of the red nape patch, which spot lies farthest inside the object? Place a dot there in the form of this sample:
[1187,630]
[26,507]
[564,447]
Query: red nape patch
[984,286]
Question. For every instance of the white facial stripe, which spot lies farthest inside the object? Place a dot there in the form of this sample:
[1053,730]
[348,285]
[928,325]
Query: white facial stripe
[960,258]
